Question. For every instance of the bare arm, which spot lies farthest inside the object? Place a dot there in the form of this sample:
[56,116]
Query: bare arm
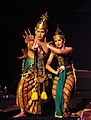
[67,50]
[48,67]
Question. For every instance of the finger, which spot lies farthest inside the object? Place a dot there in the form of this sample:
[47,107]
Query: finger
[23,36]
[29,31]
[23,51]
[25,32]
[51,42]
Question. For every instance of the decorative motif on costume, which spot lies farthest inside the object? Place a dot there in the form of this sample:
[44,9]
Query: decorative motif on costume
[27,66]
[34,96]
[41,49]
[43,94]
[60,60]
[23,62]
[39,79]
[74,75]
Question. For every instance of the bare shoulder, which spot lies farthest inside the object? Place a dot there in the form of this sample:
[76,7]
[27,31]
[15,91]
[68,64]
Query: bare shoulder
[69,48]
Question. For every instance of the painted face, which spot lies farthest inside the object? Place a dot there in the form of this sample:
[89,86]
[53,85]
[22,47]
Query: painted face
[58,42]
[40,33]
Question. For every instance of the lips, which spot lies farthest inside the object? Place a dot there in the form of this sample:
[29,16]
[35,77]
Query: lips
[39,36]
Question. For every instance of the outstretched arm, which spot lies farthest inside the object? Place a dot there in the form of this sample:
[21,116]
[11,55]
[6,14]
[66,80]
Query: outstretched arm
[66,50]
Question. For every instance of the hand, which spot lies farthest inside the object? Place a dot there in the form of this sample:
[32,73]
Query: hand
[48,44]
[28,36]
[57,72]
[60,69]
[35,45]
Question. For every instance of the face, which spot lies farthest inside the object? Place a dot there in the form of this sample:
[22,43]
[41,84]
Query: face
[40,33]
[58,42]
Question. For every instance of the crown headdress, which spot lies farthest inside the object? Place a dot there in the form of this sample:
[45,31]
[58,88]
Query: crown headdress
[58,33]
[42,24]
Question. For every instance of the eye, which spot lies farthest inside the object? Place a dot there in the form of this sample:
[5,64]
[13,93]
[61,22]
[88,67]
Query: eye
[60,40]
[55,41]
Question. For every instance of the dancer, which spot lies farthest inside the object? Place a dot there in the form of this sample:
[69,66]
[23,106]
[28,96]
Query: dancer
[63,74]
[33,88]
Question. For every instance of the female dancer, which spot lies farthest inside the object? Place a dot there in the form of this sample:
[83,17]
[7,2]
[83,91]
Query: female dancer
[63,80]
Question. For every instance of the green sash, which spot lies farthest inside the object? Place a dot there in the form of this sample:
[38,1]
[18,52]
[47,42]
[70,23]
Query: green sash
[59,94]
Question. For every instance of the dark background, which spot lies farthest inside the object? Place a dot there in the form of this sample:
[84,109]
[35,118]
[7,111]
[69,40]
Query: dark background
[73,16]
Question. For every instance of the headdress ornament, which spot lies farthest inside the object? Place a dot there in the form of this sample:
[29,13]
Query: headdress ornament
[42,24]
[58,33]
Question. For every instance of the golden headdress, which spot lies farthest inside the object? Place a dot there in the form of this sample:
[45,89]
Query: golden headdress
[42,24]
[58,34]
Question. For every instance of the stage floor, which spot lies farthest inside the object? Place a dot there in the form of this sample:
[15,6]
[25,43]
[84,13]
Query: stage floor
[37,117]
[8,113]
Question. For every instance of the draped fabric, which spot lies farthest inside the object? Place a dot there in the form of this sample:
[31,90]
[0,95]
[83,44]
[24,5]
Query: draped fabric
[27,86]
[63,85]
[68,90]
[59,101]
